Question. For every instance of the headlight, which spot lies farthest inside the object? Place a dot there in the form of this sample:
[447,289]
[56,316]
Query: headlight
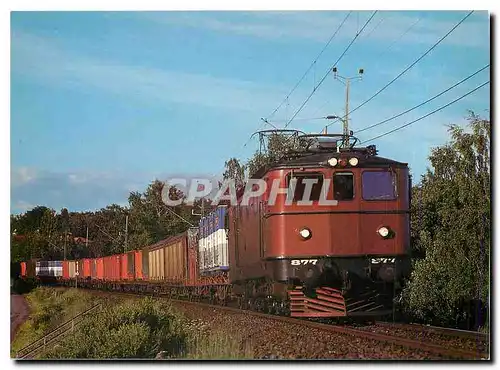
[332,162]
[353,161]
[383,231]
[305,233]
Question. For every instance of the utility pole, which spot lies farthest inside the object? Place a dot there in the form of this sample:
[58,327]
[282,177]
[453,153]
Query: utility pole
[347,82]
[65,239]
[87,239]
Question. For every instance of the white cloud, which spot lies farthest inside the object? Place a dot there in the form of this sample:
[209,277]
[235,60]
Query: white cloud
[41,59]
[84,190]
[22,175]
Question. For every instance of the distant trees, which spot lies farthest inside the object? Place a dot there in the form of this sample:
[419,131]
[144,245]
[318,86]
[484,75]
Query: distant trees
[451,227]
[43,233]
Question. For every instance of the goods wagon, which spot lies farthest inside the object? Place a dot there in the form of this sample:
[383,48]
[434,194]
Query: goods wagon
[79,268]
[49,268]
[138,264]
[112,268]
[99,262]
[73,268]
[213,244]
[123,266]
[65,269]
[93,268]
[127,266]
[130,265]
[28,268]
[23,269]
[168,259]
[85,273]
[69,269]
[145,263]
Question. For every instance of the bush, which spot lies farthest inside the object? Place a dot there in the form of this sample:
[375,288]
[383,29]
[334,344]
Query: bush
[49,308]
[136,329]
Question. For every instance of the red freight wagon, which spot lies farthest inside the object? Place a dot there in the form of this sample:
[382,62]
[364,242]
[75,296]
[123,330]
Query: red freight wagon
[123,266]
[93,268]
[99,262]
[130,265]
[79,269]
[112,268]
[65,269]
[86,268]
[138,264]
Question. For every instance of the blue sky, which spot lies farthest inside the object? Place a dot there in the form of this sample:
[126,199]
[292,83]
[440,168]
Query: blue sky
[103,102]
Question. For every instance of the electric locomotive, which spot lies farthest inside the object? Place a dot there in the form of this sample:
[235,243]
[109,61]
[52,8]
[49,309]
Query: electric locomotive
[341,252]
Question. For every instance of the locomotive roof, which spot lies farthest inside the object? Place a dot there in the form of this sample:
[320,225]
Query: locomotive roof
[319,159]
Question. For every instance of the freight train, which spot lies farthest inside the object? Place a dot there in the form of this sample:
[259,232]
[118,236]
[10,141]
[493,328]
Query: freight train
[344,258]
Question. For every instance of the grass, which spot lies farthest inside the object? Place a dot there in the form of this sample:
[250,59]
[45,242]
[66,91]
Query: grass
[49,308]
[138,328]
[218,346]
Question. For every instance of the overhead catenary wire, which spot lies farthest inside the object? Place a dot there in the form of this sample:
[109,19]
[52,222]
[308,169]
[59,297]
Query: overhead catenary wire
[310,67]
[266,120]
[379,56]
[329,69]
[428,114]
[410,66]
[423,103]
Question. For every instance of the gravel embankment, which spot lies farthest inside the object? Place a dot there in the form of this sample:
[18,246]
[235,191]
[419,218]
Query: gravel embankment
[473,344]
[279,340]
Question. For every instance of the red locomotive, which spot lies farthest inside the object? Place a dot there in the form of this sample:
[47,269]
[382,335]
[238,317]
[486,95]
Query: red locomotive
[328,237]
[331,260]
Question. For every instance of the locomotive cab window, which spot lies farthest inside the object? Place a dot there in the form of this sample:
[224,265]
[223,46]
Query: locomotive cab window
[379,185]
[343,186]
[300,186]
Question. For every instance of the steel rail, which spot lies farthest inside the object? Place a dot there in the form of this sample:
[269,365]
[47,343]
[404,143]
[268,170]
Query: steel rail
[436,329]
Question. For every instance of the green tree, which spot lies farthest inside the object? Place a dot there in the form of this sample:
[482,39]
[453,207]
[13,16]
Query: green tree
[233,169]
[451,226]
[278,145]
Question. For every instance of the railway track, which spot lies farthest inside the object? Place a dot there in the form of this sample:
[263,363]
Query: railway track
[436,329]
[441,349]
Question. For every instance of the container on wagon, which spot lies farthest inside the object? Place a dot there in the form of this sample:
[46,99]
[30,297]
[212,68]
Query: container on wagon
[123,266]
[72,269]
[85,273]
[65,270]
[93,268]
[168,259]
[138,265]
[99,268]
[213,244]
[31,268]
[145,263]
[130,265]
[49,268]
[112,268]
[79,268]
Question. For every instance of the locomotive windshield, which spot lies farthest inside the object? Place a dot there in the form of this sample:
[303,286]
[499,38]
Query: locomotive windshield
[379,185]
[301,180]
[343,186]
